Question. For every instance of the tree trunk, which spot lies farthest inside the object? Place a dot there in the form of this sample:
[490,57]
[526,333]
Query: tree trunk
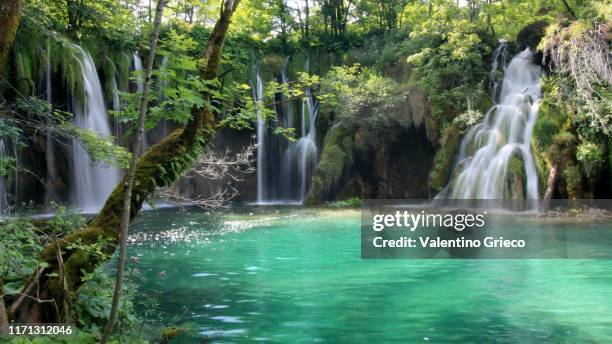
[3,315]
[550,187]
[10,11]
[160,165]
[129,180]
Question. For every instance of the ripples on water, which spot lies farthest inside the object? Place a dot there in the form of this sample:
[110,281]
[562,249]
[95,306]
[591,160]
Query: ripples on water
[296,276]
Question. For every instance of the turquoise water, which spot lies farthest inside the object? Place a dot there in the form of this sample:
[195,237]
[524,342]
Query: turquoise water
[296,275]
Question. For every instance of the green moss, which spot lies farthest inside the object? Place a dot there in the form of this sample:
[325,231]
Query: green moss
[270,67]
[516,177]
[516,166]
[68,65]
[444,158]
[327,173]
[171,332]
[337,155]
[573,180]
[24,76]
[109,72]
[352,202]
[122,64]
[563,148]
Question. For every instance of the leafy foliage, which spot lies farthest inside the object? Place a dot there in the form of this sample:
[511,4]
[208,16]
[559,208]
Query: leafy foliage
[359,94]
[450,63]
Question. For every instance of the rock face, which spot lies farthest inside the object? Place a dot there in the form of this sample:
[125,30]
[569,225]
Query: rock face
[530,37]
[366,160]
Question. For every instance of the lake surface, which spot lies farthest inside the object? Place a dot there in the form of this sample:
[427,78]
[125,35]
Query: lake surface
[295,275]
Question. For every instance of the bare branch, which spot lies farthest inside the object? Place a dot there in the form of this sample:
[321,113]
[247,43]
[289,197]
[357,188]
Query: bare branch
[213,166]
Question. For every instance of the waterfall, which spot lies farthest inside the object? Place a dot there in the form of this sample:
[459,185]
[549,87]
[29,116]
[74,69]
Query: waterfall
[286,174]
[481,171]
[498,66]
[116,107]
[92,183]
[140,89]
[139,76]
[284,169]
[162,79]
[304,152]
[258,94]
[50,149]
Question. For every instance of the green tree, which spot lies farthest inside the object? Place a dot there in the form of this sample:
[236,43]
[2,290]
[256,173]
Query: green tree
[158,167]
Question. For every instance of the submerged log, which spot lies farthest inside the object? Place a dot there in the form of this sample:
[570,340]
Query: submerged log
[160,165]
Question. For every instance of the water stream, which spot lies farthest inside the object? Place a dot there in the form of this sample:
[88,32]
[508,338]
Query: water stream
[92,183]
[481,171]
[140,88]
[284,168]
[50,192]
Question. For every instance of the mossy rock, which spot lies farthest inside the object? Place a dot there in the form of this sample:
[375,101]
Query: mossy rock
[444,158]
[516,166]
[516,177]
[335,157]
[573,180]
[326,174]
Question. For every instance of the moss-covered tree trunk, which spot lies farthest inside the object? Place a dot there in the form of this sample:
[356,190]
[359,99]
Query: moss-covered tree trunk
[129,179]
[10,10]
[161,165]
[3,315]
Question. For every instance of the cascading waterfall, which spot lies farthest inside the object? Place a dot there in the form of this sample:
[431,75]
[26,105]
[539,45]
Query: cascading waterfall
[50,151]
[92,183]
[481,171]
[116,107]
[284,169]
[304,152]
[140,89]
[163,82]
[287,173]
[258,94]
[498,67]
[138,69]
